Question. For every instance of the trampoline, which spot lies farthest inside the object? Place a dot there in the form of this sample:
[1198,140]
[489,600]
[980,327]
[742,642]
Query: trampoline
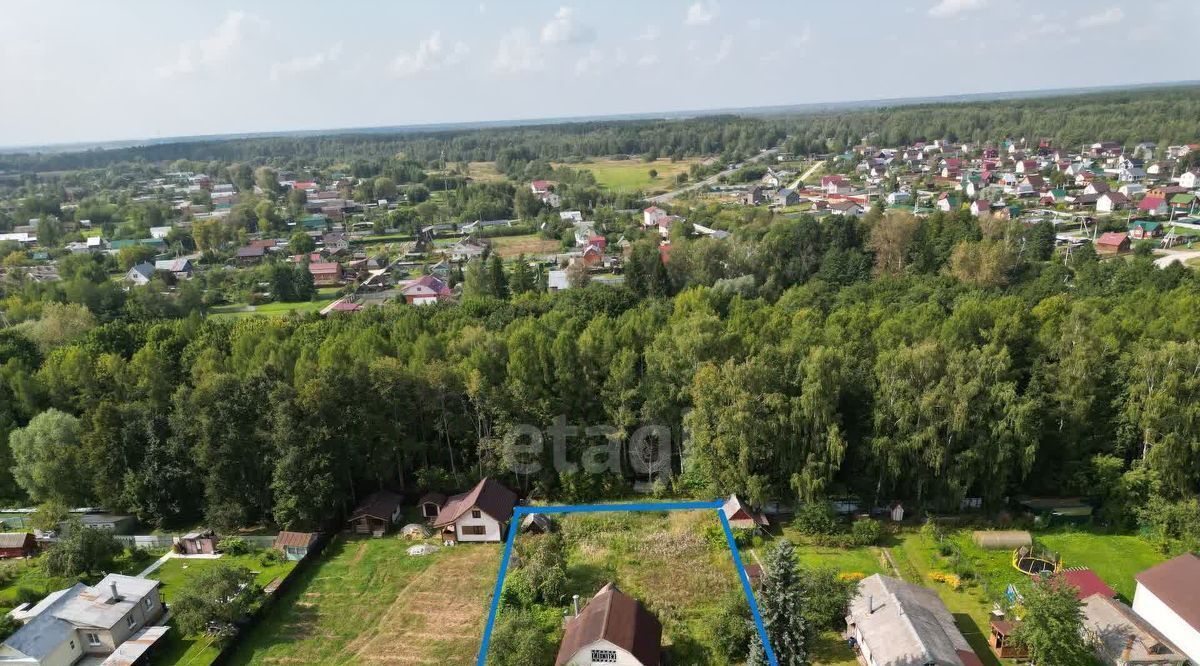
[1035,563]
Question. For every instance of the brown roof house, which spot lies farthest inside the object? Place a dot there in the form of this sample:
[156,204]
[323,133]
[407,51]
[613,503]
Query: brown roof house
[1168,598]
[377,513]
[741,517]
[480,514]
[295,545]
[894,623]
[614,628]
[17,544]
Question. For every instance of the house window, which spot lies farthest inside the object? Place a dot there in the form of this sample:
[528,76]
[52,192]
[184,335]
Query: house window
[129,621]
[93,639]
[146,603]
[604,656]
[475,513]
[476,530]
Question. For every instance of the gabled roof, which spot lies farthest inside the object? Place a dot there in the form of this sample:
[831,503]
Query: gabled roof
[1087,582]
[489,496]
[14,539]
[97,607]
[45,631]
[1176,583]
[295,539]
[1112,238]
[380,504]
[907,625]
[618,618]
[733,506]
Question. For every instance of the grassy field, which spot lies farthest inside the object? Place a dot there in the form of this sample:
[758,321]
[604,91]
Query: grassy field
[630,175]
[484,172]
[368,601]
[25,578]
[510,247]
[325,296]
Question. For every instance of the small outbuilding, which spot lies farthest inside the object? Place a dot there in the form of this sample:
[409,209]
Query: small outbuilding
[197,543]
[295,545]
[536,523]
[431,505]
[741,516]
[376,514]
[17,544]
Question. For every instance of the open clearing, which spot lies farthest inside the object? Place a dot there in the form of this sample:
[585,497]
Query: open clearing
[634,174]
[510,247]
[366,601]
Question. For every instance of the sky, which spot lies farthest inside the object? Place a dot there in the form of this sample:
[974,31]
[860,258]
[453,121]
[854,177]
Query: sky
[82,71]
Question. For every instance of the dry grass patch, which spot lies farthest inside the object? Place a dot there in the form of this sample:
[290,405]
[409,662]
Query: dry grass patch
[510,247]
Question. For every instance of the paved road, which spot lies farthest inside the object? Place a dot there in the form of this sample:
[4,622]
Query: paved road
[711,180]
[1173,256]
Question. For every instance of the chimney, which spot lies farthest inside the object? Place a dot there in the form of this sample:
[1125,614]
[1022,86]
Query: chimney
[575,603]
[115,596]
[870,604]
[1127,653]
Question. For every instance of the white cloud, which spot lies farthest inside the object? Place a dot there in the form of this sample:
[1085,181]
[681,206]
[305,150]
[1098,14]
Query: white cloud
[211,51]
[431,54]
[588,62]
[305,64]
[701,13]
[754,24]
[648,60]
[724,49]
[946,8]
[1107,17]
[565,29]
[517,53]
[650,34]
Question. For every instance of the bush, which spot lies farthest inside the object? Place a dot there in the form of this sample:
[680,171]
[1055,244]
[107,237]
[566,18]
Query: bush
[518,590]
[235,546]
[815,519]
[732,627]
[271,557]
[866,532]
[714,535]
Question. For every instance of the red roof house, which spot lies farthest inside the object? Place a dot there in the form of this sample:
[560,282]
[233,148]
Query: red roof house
[1087,582]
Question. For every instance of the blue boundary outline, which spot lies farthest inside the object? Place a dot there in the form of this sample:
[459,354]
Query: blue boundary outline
[514,526]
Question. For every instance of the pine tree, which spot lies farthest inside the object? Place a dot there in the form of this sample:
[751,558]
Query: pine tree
[781,601]
[522,279]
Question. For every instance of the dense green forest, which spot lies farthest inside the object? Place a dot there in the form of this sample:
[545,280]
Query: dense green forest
[1163,115]
[889,357]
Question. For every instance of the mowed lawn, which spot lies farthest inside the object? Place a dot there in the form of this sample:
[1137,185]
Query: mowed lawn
[368,601]
[511,247]
[634,174]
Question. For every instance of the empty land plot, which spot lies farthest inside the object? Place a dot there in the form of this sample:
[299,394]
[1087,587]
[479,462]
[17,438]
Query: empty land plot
[368,602]
[630,175]
[510,247]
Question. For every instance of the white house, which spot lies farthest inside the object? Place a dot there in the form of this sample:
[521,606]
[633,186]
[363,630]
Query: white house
[83,624]
[900,197]
[140,274]
[1168,597]
[614,628]
[1110,202]
[1190,180]
[895,623]
[481,514]
[652,215]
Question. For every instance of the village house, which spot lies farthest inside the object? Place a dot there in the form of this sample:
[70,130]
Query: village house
[1120,637]
[753,196]
[1110,202]
[295,546]
[835,184]
[1168,598]
[336,243]
[180,268]
[613,628]
[1190,179]
[480,514]
[467,249]
[786,197]
[17,544]
[895,623]
[1142,229]
[1153,206]
[1112,243]
[84,624]
[376,514]
[326,273]
[139,274]
[652,215]
[426,290]
[742,517]
[250,254]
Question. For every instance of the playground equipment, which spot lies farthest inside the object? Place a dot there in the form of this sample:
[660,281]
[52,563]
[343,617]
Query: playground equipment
[1036,562]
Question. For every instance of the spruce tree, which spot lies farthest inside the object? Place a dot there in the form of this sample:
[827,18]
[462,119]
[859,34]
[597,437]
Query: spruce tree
[781,602]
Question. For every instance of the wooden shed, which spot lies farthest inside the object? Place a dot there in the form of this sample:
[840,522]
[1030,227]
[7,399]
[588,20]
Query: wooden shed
[295,545]
[197,543]
[17,544]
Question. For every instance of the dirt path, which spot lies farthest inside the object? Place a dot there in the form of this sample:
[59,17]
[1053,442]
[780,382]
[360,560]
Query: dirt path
[438,617]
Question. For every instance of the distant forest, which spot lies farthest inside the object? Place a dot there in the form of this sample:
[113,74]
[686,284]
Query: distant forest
[1164,116]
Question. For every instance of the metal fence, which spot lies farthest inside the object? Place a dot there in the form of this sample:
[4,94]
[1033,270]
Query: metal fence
[163,541]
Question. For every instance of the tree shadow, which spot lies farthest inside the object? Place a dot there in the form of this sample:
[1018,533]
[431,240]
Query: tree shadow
[977,638]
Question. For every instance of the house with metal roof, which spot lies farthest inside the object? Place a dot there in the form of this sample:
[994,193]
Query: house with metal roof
[117,616]
[480,514]
[614,628]
[1168,597]
[894,623]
